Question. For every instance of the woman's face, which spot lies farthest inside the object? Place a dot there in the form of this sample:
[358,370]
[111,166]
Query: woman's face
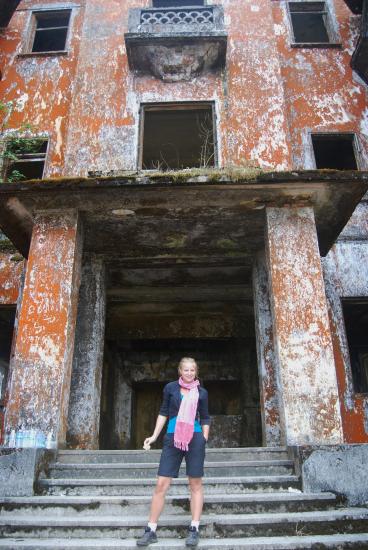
[188,371]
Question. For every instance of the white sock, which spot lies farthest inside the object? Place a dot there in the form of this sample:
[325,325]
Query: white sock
[195,524]
[152,526]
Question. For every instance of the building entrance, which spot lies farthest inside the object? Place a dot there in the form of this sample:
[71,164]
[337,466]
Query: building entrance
[136,371]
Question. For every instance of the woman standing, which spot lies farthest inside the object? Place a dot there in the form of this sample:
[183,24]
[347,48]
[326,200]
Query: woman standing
[185,403]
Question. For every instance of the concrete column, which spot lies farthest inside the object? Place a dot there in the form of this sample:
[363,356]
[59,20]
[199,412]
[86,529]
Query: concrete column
[122,415]
[268,383]
[85,390]
[36,414]
[309,399]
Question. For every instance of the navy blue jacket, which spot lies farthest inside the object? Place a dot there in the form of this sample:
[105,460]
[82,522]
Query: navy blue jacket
[172,399]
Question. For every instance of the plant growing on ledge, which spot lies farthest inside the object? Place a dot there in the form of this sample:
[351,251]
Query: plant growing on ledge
[23,154]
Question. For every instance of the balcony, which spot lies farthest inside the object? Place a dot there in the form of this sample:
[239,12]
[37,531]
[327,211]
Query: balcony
[7,8]
[359,60]
[176,44]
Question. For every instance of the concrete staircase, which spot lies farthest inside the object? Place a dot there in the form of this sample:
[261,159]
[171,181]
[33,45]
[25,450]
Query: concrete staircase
[253,500]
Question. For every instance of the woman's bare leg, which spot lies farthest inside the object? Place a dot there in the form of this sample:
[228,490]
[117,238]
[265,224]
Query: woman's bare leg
[196,501]
[158,499]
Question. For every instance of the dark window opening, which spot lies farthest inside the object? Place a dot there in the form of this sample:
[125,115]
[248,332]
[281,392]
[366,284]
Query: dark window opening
[25,159]
[356,325]
[176,3]
[7,319]
[51,31]
[309,22]
[178,137]
[334,151]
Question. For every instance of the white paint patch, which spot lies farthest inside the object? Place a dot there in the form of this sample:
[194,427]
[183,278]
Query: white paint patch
[332,109]
[278,29]
[59,137]
[364,122]
[254,8]
[21,102]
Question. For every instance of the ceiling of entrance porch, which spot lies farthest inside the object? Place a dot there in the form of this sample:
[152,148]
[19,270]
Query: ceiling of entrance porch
[143,220]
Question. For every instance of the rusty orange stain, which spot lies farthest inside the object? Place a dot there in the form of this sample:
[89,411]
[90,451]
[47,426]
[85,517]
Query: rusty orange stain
[352,419]
[10,273]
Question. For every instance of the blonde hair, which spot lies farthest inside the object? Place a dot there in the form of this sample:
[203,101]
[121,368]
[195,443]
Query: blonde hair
[188,360]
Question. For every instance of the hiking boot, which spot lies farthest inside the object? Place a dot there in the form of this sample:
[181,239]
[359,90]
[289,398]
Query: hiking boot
[193,537]
[148,537]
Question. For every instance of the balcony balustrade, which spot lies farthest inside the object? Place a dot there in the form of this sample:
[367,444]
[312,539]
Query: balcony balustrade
[176,43]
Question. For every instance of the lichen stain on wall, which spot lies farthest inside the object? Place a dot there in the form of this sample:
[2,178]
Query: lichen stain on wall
[44,343]
[103,116]
[301,327]
[345,272]
[39,86]
[321,92]
[10,275]
[88,101]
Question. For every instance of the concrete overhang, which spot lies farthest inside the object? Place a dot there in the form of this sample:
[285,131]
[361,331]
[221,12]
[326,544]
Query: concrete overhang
[176,44]
[7,8]
[176,217]
[356,6]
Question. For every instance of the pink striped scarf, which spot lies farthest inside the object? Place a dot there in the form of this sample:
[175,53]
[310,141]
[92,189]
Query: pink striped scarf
[184,427]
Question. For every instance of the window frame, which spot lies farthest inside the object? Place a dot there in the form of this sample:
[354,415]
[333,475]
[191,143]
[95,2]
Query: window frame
[355,143]
[33,29]
[6,163]
[172,105]
[333,41]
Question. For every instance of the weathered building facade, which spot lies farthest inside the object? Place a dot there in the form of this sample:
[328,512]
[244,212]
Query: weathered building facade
[250,256]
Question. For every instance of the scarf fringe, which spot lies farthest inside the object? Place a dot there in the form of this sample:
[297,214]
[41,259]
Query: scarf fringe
[181,445]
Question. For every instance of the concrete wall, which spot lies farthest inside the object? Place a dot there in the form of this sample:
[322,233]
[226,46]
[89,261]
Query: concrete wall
[88,100]
[11,268]
[345,272]
[322,94]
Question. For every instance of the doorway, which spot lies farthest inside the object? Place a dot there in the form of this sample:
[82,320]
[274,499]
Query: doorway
[7,320]
[136,371]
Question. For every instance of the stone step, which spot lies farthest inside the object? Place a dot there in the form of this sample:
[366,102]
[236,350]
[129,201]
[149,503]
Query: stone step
[217,454]
[144,486]
[147,469]
[353,520]
[336,542]
[116,506]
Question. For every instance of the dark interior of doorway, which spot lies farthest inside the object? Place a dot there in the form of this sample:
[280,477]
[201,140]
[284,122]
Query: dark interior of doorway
[7,319]
[136,371]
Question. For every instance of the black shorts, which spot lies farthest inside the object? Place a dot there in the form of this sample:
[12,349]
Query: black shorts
[171,457]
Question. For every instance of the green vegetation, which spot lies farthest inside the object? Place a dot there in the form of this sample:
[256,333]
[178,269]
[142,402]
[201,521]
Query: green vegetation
[15,144]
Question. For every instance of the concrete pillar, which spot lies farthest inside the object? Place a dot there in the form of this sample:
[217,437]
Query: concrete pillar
[122,415]
[309,399]
[85,390]
[269,387]
[36,414]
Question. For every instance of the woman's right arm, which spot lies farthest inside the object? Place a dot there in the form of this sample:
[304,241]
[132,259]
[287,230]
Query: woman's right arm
[160,423]
[162,416]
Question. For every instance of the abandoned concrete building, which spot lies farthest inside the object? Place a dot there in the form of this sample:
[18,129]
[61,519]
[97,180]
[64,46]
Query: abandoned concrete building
[184,177]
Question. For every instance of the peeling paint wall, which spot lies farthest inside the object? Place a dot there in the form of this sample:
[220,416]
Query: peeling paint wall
[88,100]
[40,86]
[85,390]
[11,268]
[273,431]
[321,92]
[36,414]
[268,100]
[309,399]
[345,272]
